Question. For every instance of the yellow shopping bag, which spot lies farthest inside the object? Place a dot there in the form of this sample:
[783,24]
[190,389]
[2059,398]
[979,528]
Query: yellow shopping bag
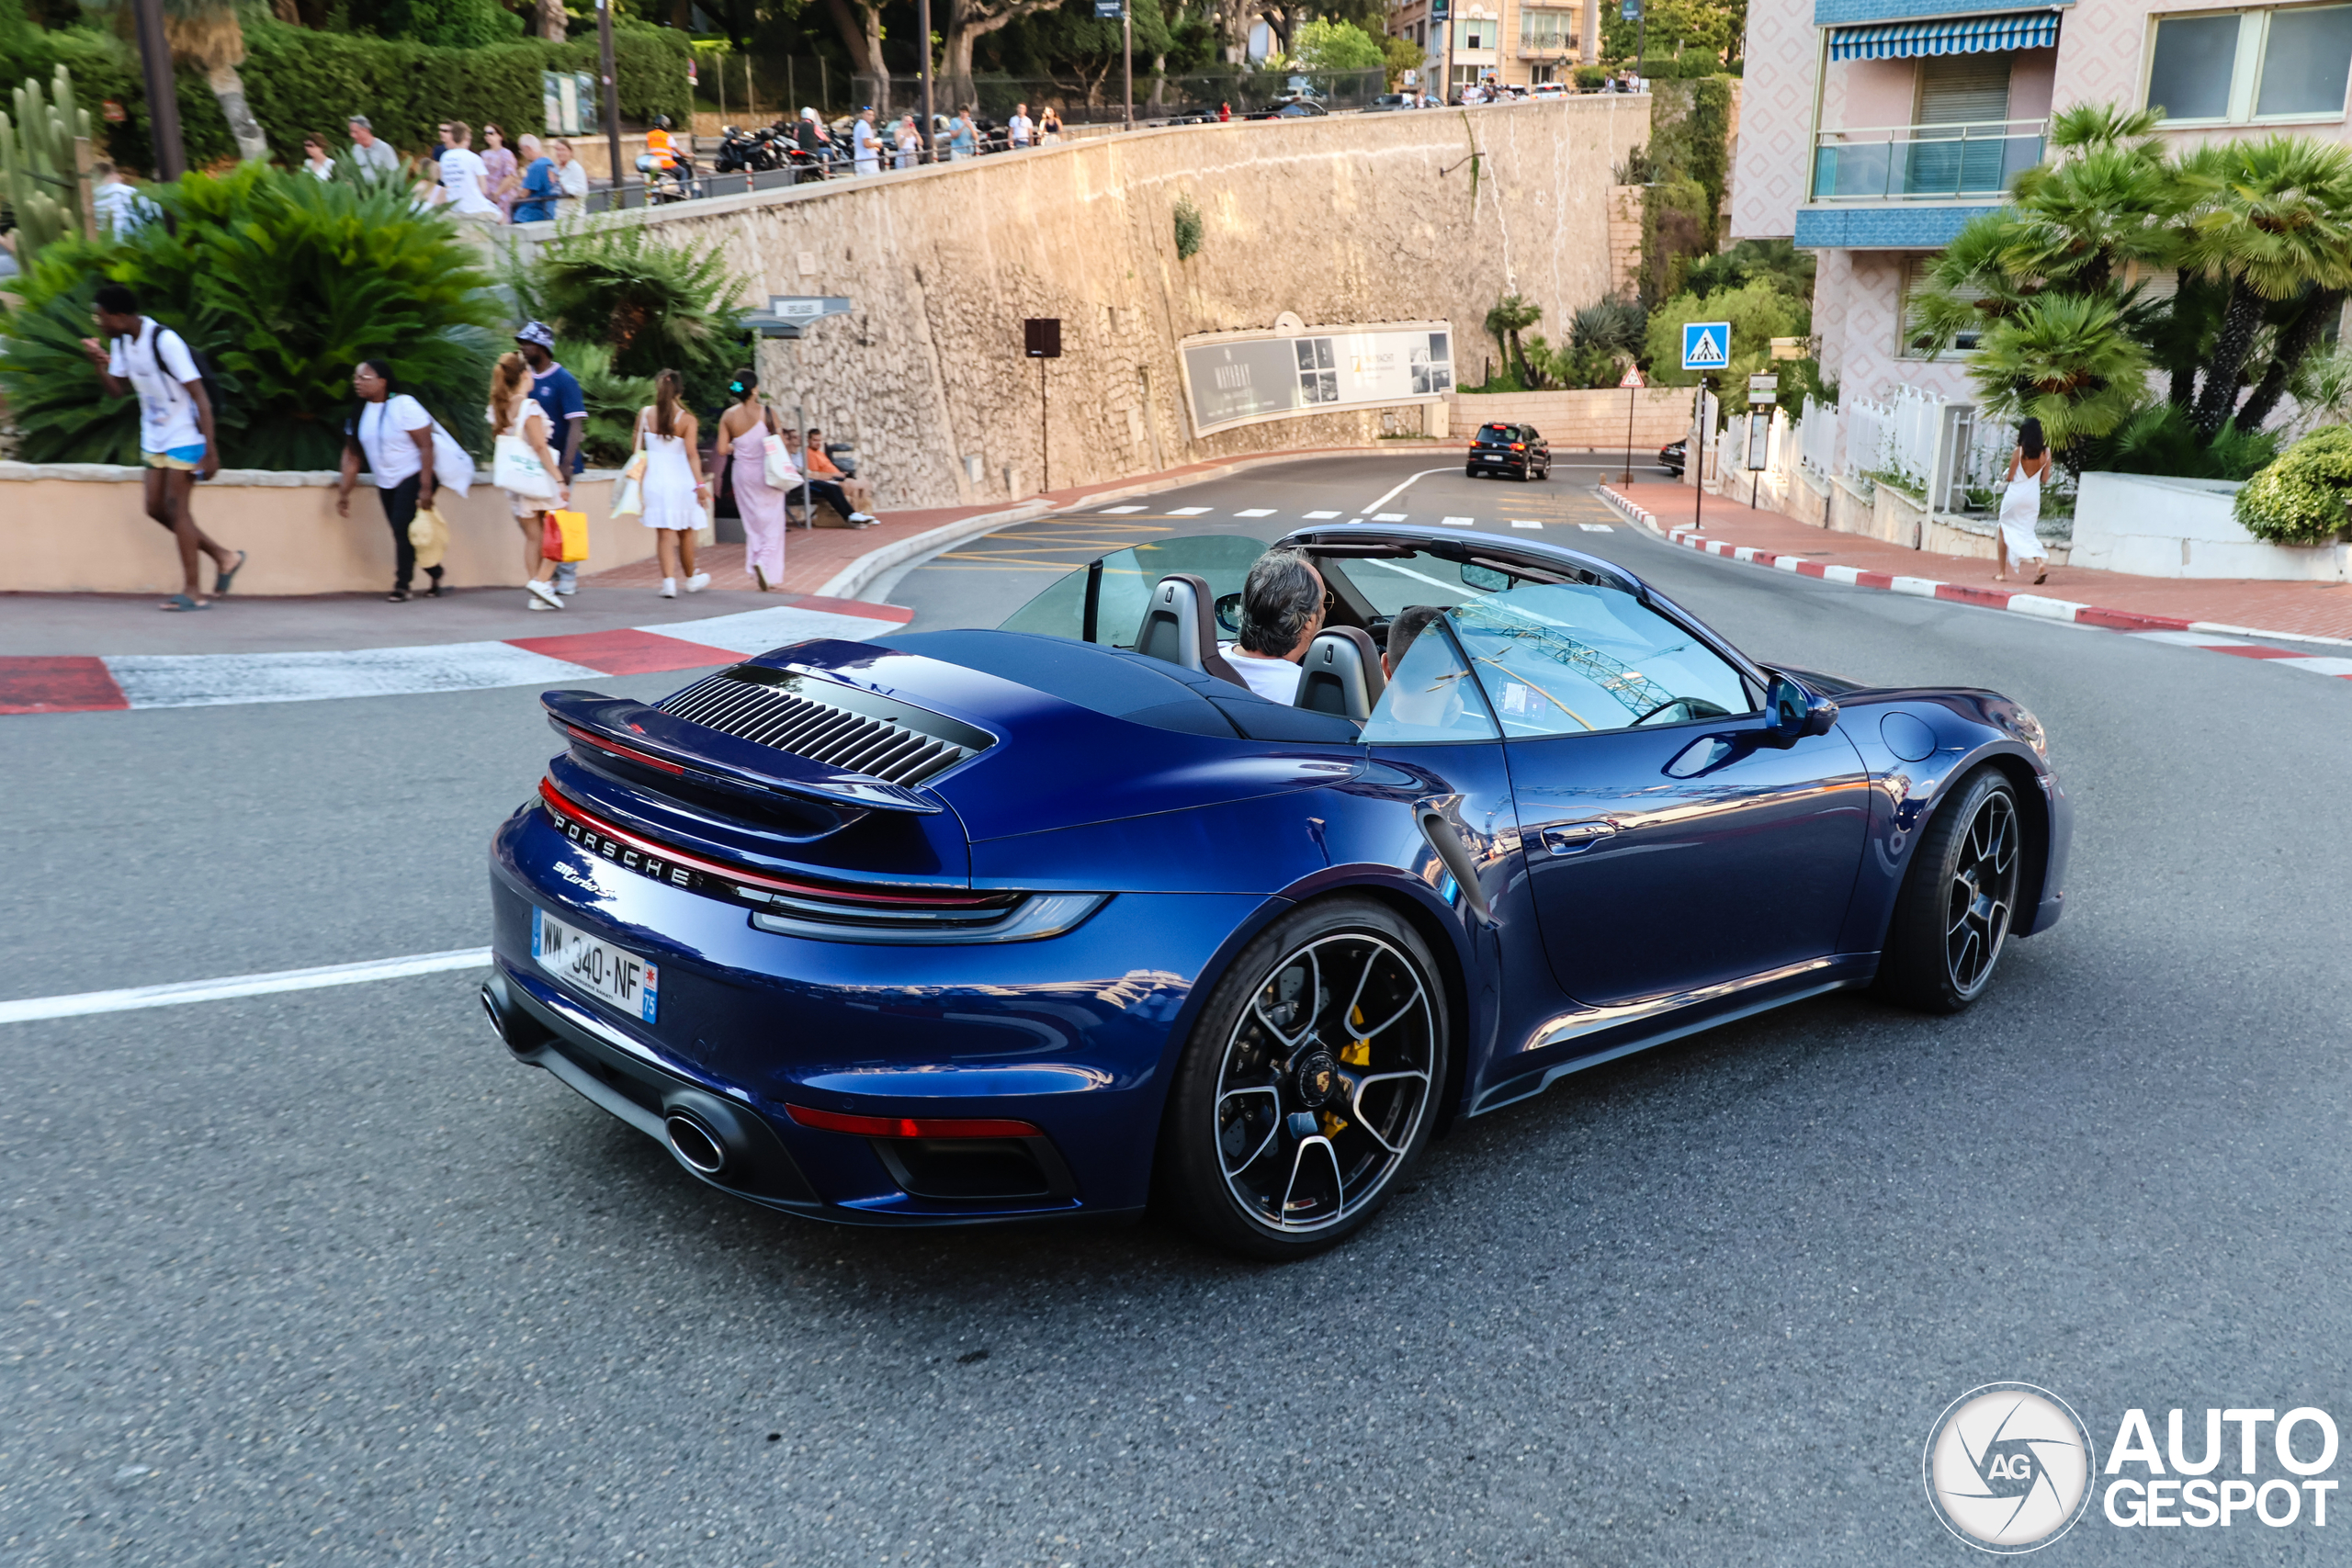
[573,527]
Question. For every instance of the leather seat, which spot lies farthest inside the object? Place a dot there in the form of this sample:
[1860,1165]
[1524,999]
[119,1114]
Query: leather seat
[1180,627]
[1340,674]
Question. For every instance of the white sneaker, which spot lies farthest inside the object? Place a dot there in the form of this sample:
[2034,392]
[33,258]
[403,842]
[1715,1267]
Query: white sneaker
[669,587]
[535,605]
[861,518]
[543,596]
[697,582]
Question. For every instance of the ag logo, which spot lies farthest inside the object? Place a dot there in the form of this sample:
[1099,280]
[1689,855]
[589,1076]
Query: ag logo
[2009,1467]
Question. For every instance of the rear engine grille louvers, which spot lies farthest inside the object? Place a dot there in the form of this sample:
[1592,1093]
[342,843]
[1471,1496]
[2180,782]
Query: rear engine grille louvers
[841,727]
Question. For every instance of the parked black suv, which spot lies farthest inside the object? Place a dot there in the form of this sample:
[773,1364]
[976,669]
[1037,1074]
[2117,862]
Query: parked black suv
[1510,449]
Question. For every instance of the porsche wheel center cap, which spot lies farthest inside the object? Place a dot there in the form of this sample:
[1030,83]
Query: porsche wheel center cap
[1316,1079]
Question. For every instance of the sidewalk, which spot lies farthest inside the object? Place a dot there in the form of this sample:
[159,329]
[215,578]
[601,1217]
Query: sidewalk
[2308,611]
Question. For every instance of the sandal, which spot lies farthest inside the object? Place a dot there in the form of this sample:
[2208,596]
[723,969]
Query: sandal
[2041,577]
[221,579]
[184,602]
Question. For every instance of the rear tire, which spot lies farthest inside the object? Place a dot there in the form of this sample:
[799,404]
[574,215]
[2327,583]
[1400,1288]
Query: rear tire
[1952,917]
[1310,1083]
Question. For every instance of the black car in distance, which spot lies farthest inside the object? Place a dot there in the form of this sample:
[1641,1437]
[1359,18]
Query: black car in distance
[1517,449]
[1673,456]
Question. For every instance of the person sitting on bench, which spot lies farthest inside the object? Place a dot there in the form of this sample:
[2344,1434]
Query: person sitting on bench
[827,490]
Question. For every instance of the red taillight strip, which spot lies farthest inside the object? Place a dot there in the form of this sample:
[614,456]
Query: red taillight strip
[618,750]
[910,1126]
[562,806]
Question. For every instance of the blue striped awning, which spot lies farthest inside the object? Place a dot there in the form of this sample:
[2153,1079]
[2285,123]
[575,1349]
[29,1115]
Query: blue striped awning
[1947,35]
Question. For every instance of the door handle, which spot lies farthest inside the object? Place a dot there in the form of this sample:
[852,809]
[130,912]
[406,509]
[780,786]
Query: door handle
[1569,838]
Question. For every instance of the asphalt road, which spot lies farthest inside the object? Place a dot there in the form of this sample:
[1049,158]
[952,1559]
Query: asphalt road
[323,1278]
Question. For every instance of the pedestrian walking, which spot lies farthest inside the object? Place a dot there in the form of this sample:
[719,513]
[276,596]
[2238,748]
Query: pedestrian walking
[372,158]
[537,192]
[465,179]
[120,209]
[2021,505]
[1049,126]
[394,434]
[315,159]
[177,439]
[514,411]
[866,147]
[571,176]
[674,485]
[1020,129]
[558,392]
[744,431]
[1224,113]
[504,180]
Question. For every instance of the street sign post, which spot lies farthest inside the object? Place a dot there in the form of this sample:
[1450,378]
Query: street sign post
[1041,339]
[1632,382]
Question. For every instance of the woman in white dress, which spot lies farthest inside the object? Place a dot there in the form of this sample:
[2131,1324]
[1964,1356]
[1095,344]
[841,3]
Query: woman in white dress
[674,487]
[2021,505]
[514,411]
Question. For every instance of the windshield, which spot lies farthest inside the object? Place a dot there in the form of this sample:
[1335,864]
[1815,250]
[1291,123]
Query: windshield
[1123,588]
[1571,659]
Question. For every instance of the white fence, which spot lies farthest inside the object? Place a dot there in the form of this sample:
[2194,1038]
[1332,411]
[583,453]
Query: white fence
[1909,437]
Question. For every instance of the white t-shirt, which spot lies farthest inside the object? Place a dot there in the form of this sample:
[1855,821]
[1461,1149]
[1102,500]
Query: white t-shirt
[158,365]
[864,146]
[384,437]
[1276,680]
[463,176]
[1018,127]
[572,179]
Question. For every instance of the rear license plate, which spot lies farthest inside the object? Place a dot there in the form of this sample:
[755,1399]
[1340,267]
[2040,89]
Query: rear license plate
[1496,457]
[603,971]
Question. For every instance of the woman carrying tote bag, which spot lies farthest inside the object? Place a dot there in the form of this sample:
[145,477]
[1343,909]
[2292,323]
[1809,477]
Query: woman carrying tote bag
[751,449]
[2021,505]
[524,466]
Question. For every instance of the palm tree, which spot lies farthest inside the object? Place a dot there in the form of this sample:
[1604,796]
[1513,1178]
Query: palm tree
[1511,316]
[2272,218]
[205,34]
[2067,360]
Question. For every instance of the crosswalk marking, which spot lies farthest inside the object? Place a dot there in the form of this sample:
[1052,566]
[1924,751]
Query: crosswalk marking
[1186,511]
[1116,510]
[1316,516]
[1269,512]
[1596,527]
[1525,523]
[1388,517]
[1457,522]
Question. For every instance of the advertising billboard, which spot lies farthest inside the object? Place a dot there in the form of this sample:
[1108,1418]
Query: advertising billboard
[1234,378]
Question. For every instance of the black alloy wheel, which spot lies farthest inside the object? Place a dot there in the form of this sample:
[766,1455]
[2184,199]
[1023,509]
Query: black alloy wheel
[1310,1083]
[1959,899]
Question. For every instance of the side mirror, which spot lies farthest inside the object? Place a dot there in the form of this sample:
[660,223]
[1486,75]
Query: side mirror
[1228,613]
[1791,712]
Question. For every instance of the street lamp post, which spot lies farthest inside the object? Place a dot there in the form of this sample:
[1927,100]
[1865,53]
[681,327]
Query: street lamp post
[1127,50]
[612,94]
[163,94]
[922,32]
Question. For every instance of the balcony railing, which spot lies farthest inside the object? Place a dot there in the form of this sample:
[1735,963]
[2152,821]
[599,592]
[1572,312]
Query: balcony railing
[1924,163]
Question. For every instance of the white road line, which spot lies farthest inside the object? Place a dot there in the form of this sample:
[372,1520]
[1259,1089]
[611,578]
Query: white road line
[1186,511]
[1458,522]
[1402,487]
[1388,517]
[1318,516]
[205,680]
[1269,512]
[2193,639]
[183,991]
[1597,527]
[2340,668]
[1525,523]
[1117,511]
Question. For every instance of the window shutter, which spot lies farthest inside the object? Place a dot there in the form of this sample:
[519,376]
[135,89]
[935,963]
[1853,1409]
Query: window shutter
[1961,89]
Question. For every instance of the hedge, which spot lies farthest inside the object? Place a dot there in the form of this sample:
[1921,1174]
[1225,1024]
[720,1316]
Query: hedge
[300,81]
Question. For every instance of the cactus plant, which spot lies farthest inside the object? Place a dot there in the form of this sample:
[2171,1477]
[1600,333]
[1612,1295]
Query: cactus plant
[40,173]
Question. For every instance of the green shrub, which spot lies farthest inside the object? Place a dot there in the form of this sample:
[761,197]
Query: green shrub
[285,282]
[1592,78]
[2162,439]
[655,303]
[2300,499]
[612,400]
[1757,313]
[1188,228]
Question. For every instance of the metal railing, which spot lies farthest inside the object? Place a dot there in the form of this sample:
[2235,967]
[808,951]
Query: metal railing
[1915,162]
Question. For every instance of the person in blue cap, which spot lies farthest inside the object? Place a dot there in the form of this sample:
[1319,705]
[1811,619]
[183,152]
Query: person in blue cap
[558,392]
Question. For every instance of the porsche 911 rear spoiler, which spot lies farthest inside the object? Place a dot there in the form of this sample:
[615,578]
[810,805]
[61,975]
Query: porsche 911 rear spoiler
[649,737]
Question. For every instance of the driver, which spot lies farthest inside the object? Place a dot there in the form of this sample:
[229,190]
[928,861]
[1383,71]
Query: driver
[1282,609]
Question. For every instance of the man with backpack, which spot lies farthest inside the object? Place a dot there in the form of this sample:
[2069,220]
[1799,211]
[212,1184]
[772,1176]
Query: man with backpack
[175,429]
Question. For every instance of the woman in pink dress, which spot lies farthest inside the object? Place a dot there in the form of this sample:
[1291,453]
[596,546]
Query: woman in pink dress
[743,433]
[505,182]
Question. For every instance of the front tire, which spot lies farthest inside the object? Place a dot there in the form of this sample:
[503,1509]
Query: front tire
[1952,919]
[1310,1083]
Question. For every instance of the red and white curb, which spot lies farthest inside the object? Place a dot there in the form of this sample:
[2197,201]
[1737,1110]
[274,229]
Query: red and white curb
[76,684]
[2161,628]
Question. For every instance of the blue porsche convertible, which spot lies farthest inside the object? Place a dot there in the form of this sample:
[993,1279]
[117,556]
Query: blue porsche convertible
[1063,919]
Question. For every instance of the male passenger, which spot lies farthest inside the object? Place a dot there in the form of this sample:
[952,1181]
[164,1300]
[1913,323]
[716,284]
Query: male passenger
[1282,609]
[557,391]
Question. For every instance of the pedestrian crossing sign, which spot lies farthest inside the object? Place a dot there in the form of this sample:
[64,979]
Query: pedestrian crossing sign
[1706,345]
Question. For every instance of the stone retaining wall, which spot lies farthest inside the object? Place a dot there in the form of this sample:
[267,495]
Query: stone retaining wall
[1579,421]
